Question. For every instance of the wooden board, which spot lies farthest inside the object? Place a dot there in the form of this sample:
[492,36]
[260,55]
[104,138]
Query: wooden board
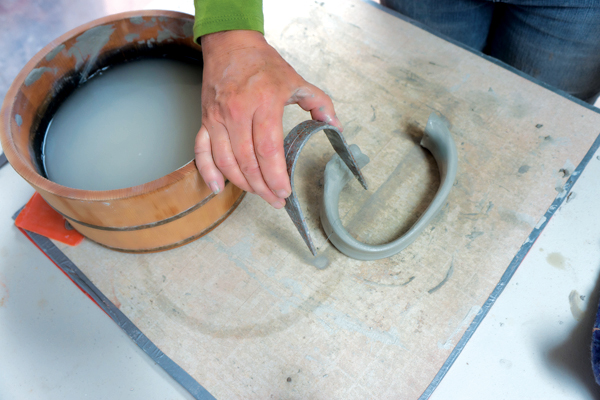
[249,313]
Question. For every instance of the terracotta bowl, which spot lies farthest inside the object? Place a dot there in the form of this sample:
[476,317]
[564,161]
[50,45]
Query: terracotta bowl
[158,215]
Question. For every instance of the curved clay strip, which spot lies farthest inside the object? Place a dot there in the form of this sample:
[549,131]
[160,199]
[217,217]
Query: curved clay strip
[436,139]
[292,145]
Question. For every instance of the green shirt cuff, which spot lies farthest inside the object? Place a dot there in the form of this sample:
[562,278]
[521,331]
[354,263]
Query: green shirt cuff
[226,15]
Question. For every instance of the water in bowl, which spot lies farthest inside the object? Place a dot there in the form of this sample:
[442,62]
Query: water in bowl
[134,123]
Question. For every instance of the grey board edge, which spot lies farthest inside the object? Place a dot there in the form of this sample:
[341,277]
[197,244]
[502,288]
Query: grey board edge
[3,160]
[482,55]
[510,271]
[82,281]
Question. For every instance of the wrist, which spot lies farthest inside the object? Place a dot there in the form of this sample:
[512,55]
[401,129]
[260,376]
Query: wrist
[227,41]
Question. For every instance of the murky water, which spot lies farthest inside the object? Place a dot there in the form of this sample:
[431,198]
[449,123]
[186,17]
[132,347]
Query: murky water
[134,123]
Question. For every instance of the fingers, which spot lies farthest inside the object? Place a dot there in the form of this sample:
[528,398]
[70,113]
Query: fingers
[311,98]
[230,152]
[249,150]
[242,144]
[267,130]
[215,158]
[205,163]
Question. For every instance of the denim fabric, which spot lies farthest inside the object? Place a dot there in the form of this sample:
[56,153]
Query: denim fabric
[596,348]
[557,42]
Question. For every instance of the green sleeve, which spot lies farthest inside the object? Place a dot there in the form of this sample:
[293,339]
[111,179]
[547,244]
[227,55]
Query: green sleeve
[226,15]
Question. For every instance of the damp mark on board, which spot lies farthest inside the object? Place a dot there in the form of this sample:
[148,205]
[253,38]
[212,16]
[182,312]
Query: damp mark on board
[294,298]
[321,262]
[517,218]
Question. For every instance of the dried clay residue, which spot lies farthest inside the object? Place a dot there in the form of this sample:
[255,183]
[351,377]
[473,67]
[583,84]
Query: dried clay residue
[449,343]
[524,168]
[136,20]
[36,74]
[563,173]
[131,37]
[576,303]
[166,34]
[50,56]
[446,278]
[88,45]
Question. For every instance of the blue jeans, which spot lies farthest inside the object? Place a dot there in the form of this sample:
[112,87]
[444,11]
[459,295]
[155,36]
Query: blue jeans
[557,42]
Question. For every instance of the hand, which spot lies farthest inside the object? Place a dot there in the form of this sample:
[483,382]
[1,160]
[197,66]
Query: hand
[246,84]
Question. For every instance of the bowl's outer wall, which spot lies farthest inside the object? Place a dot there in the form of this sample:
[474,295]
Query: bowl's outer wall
[153,216]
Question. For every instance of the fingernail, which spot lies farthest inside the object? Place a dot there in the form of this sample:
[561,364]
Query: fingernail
[282,194]
[214,186]
[278,204]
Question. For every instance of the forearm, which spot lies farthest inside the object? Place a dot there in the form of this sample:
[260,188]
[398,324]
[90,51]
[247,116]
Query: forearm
[226,15]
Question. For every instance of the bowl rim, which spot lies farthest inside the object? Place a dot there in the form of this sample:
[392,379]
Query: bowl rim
[22,167]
